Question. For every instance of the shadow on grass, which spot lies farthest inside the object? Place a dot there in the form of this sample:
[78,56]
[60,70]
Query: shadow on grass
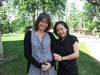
[87,65]
[17,66]
[13,47]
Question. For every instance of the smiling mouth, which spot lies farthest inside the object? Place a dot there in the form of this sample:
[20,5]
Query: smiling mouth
[43,26]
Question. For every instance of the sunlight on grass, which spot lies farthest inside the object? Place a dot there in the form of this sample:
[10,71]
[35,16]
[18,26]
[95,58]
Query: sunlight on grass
[12,37]
[84,49]
[87,64]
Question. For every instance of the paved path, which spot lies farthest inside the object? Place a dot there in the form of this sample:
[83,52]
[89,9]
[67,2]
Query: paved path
[92,44]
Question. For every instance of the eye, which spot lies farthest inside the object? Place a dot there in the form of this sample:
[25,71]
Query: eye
[61,28]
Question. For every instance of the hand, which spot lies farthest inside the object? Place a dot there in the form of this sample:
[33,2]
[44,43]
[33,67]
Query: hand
[46,66]
[57,57]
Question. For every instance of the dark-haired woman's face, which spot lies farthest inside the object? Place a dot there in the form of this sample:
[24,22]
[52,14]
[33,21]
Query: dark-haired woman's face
[43,25]
[61,31]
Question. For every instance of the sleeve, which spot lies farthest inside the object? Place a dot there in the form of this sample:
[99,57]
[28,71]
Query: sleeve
[27,50]
[74,39]
[52,47]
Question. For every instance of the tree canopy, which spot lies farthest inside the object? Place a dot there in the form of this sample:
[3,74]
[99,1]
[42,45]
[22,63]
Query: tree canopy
[16,15]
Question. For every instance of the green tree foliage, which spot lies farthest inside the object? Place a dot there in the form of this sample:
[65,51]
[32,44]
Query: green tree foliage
[73,18]
[4,23]
[53,7]
[90,13]
[46,5]
[19,24]
[97,25]
[25,11]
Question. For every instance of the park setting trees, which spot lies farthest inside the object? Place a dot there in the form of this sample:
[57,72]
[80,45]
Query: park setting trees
[17,15]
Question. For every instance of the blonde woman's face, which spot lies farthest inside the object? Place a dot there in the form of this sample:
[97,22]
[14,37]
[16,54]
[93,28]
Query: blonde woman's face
[61,31]
[43,25]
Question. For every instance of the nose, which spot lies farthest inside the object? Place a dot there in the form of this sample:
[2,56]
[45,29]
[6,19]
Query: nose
[45,24]
[60,31]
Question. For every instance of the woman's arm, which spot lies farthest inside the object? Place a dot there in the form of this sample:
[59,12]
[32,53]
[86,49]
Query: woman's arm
[72,56]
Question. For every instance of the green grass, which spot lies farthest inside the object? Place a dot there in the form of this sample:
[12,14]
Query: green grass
[87,64]
[13,44]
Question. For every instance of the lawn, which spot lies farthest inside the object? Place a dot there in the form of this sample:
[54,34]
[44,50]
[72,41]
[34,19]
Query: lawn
[13,45]
[87,64]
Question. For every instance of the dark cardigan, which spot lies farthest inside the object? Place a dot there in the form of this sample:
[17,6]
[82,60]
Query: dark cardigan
[28,52]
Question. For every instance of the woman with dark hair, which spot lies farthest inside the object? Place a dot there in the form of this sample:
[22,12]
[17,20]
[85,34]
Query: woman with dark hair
[38,46]
[66,51]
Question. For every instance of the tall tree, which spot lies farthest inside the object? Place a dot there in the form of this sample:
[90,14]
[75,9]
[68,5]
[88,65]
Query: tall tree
[1,46]
[73,19]
[53,7]
[2,16]
[91,13]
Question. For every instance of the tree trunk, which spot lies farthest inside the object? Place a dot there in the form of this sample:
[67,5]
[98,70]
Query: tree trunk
[1,47]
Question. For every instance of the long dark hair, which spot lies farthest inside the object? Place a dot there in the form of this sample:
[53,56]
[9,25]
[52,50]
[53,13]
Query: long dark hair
[40,18]
[62,23]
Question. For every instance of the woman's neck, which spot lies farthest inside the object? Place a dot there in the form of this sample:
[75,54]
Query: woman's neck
[62,39]
[40,32]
